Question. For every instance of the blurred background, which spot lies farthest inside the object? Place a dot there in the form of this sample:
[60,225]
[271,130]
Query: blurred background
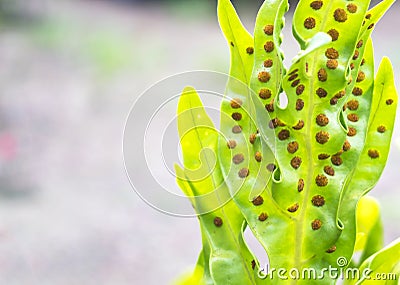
[70,70]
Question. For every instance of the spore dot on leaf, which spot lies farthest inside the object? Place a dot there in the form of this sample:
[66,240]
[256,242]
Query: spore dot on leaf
[322,120]
[252,138]
[231,144]
[269,46]
[316,5]
[271,167]
[318,200]
[360,43]
[270,107]
[269,30]
[346,146]
[389,101]
[357,91]
[300,89]
[373,153]
[331,249]
[293,77]
[237,116]
[316,225]
[244,172]
[334,34]
[329,170]
[340,15]
[321,93]
[299,125]
[353,105]
[258,156]
[250,50]
[299,105]
[336,160]
[293,208]
[352,66]
[356,54]
[236,129]
[238,158]
[381,129]
[258,201]
[353,117]
[322,75]
[262,217]
[236,103]
[292,147]
[264,76]
[360,76]
[332,53]
[323,156]
[253,264]
[232,44]
[352,132]
[321,180]
[295,162]
[340,94]
[265,93]
[371,26]
[368,16]
[309,23]
[268,63]
[218,222]
[295,83]
[300,185]
[322,137]
[332,64]
[352,8]
[283,135]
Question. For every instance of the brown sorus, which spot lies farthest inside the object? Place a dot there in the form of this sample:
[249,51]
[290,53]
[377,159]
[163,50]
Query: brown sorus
[269,46]
[236,116]
[218,221]
[373,153]
[299,125]
[257,201]
[322,120]
[321,180]
[295,162]
[329,170]
[318,200]
[231,144]
[283,135]
[299,105]
[340,15]
[269,30]
[262,217]
[236,129]
[238,158]
[292,147]
[316,225]
[265,93]
[353,105]
[244,172]
[334,34]
[322,137]
[293,208]
[236,103]
[309,23]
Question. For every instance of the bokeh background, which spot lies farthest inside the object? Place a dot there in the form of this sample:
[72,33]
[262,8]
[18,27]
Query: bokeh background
[69,71]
